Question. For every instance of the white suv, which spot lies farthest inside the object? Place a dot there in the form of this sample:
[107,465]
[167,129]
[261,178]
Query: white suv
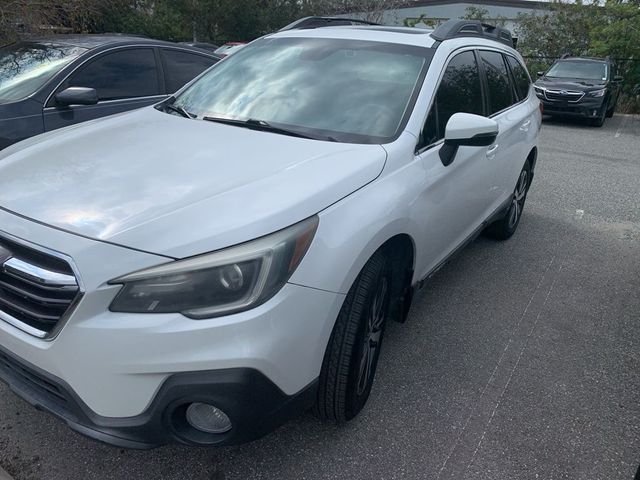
[201,270]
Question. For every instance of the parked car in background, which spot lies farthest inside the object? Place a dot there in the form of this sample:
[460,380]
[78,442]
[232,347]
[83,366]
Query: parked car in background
[210,47]
[57,81]
[580,87]
[230,48]
[201,270]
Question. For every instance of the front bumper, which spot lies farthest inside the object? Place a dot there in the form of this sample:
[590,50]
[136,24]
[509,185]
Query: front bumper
[121,373]
[255,405]
[587,107]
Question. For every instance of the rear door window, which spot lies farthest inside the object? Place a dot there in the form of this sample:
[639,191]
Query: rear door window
[520,76]
[499,89]
[181,67]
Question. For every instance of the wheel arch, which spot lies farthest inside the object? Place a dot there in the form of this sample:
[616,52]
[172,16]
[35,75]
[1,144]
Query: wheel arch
[400,252]
[533,157]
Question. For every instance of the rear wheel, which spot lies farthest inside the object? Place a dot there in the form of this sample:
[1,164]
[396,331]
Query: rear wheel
[505,227]
[352,354]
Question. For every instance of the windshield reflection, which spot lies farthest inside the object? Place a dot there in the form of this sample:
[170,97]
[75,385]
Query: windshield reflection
[25,67]
[581,70]
[355,91]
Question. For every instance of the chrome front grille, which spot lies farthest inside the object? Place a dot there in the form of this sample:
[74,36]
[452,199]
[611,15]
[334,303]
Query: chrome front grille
[563,95]
[37,288]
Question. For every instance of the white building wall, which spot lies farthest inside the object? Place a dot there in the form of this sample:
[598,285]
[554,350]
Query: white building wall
[444,12]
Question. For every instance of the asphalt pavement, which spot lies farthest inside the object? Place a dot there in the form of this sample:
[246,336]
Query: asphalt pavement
[520,360]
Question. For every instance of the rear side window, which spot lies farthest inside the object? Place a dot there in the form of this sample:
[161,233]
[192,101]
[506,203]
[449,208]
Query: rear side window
[520,76]
[182,67]
[122,74]
[459,91]
[499,91]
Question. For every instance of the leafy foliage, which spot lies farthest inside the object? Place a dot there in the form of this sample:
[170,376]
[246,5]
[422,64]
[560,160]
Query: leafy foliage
[479,13]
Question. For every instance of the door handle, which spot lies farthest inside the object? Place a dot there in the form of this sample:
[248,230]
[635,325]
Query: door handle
[525,126]
[491,152]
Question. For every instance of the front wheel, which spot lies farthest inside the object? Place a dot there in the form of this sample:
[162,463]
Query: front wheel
[599,120]
[351,357]
[611,111]
[505,227]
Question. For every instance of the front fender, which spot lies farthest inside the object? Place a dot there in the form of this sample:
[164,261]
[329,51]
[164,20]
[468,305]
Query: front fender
[351,230]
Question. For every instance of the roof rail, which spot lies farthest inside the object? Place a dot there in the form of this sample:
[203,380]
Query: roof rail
[472,28]
[319,22]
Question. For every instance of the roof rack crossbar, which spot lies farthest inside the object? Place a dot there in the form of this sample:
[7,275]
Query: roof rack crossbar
[319,22]
[472,28]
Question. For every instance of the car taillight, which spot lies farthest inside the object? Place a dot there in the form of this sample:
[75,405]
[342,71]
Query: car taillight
[541,107]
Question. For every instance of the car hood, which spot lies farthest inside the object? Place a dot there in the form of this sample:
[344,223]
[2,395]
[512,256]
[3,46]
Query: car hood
[174,186]
[574,84]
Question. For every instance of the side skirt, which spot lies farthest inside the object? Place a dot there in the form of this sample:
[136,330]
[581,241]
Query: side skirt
[500,212]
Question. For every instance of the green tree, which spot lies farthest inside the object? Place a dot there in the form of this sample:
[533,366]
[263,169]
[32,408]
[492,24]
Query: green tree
[25,17]
[473,12]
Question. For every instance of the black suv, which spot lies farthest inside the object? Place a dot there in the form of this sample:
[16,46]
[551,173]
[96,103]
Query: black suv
[53,82]
[583,87]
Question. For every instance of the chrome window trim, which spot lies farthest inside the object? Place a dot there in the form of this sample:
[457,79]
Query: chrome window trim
[50,336]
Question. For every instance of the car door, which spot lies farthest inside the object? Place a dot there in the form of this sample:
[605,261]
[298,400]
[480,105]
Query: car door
[124,78]
[507,153]
[180,67]
[527,112]
[456,199]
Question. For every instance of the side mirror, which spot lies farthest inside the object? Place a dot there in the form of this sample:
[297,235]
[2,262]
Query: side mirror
[540,74]
[77,96]
[466,130]
[618,79]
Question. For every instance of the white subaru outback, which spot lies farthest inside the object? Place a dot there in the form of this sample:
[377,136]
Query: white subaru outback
[202,270]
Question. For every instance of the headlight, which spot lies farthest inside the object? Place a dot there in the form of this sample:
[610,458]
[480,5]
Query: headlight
[219,283]
[598,93]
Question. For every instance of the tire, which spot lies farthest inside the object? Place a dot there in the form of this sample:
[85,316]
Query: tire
[611,111]
[505,227]
[598,121]
[351,358]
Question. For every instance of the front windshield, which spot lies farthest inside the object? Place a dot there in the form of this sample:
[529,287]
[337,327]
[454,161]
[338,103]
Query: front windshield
[582,70]
[352,91]
[25,67]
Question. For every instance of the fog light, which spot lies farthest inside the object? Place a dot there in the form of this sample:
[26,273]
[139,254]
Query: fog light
[208,418]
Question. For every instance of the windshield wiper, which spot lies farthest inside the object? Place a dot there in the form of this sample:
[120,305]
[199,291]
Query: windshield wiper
[179,110]
[264,126]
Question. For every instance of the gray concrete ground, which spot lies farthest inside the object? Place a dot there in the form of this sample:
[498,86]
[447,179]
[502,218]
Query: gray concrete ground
[520,360]
[4,475]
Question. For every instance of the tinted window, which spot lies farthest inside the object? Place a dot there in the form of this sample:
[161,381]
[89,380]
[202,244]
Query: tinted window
[182,67]
[122,74]
[459,91]
[521,77]
[499,86]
